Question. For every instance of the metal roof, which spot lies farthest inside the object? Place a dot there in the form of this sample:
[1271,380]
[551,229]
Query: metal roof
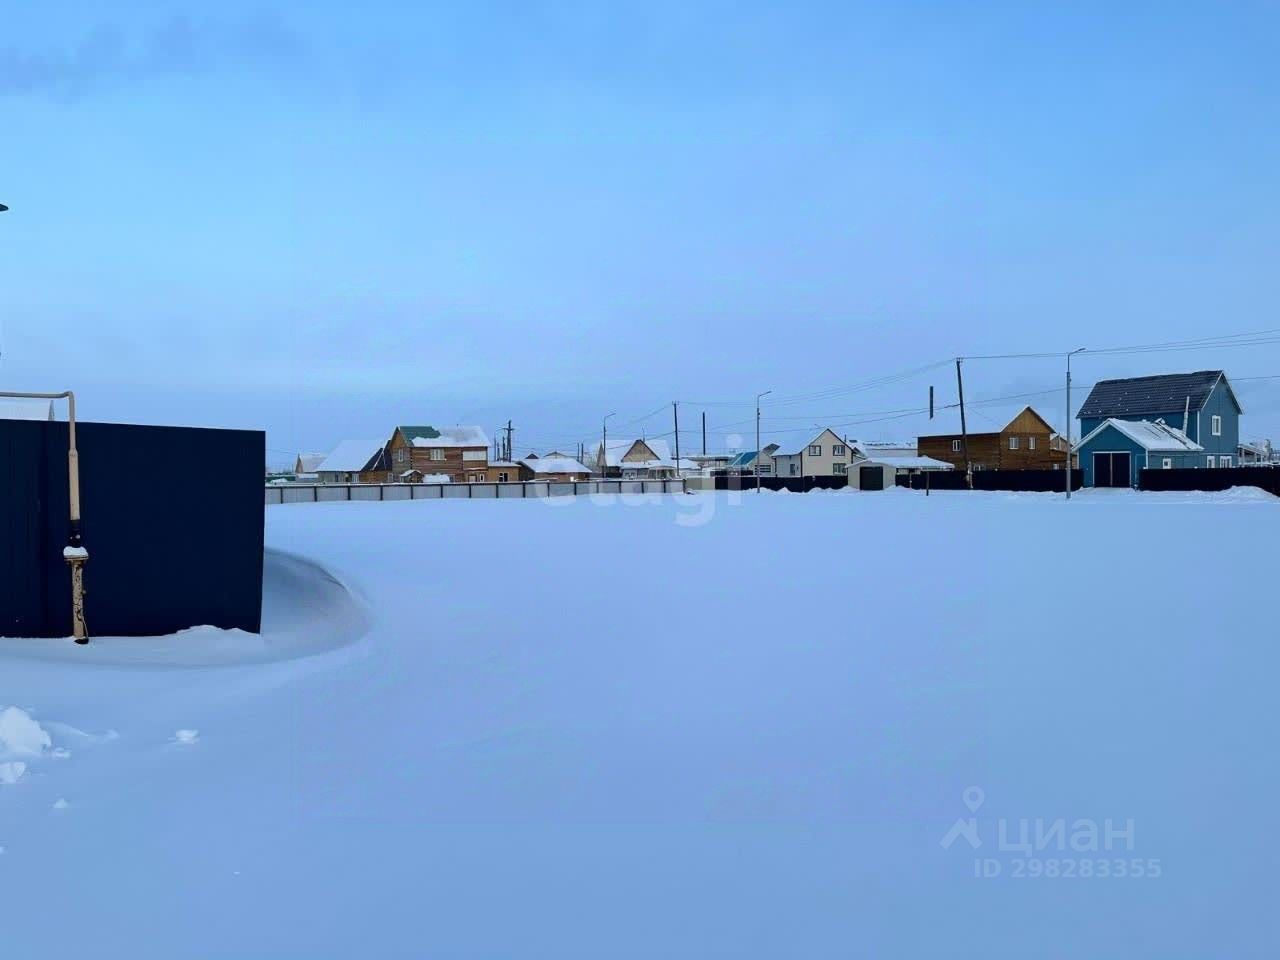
[1158,436]
[1166,393]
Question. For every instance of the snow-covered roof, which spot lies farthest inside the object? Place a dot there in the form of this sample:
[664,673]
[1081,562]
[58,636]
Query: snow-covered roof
[907,463]
[620,448]
[555,465]
[1149,435]
[16,408]
[307,462]
[884,448]
[351,456]
[436,478]
[457,436]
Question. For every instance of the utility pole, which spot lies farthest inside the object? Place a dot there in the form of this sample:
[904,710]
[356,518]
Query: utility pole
[964,430]
[1069,356]
[759,396]
[675,413]
[604,446]
[704,433]
[508,456]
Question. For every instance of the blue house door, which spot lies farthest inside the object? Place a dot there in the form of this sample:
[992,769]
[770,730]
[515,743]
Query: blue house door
[1111,470]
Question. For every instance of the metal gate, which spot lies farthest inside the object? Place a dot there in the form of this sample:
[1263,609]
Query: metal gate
[871,478]
[1112,470]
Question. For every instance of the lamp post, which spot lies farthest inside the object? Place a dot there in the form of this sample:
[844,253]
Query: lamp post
[1069,356]
[759,396]
[604,446]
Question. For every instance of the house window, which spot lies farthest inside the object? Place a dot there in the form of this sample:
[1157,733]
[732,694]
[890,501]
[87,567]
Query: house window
[437,453]
[402,455]
[1013,443]
[1031,443]
[955,446]
[476,478]
[1211,461]
[840,469]
[815,449]
[1167,464]
[1216,425]
[837,449]
[502,477]
[795,469]
[766,468]
[1224,461]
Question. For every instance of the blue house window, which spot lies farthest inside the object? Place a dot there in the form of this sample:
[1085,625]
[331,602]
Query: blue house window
[1216,425]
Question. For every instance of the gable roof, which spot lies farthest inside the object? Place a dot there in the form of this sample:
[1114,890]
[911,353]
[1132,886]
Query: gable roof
[1022,413]
[796,451]
[1151,436]
[620,448]
[1165,393]
[352,456]
[307,462]
[457,436]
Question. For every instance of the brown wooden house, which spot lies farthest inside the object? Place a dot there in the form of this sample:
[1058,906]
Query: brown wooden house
[1027,442]
[461,453]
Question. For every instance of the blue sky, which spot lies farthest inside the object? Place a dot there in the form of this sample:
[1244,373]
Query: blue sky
[323,220]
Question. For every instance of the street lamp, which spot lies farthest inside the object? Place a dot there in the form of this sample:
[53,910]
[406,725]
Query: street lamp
[604,447]
[758,398]
[1069,356]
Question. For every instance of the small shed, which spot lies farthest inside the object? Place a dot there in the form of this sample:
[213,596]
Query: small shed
[1115,450]
[881,473]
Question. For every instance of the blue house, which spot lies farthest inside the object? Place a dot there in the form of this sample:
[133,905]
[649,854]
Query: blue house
[1112,453]
[1199,408]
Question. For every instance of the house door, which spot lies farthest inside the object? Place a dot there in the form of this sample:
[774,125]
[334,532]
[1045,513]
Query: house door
[1111,470]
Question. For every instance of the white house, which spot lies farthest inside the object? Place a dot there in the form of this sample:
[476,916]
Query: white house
[826,455]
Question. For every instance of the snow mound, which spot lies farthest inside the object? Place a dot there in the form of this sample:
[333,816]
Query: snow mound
[21,735]
[306,611]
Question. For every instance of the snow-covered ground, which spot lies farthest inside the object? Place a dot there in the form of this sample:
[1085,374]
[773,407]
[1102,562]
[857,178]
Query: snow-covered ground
[674,727]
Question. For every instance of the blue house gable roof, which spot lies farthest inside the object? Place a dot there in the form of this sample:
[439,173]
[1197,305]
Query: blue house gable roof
[1138,396]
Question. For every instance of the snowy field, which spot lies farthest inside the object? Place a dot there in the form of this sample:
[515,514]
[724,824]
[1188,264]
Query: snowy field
[674,727]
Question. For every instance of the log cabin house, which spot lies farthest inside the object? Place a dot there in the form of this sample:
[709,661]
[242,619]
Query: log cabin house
[462,453]
[1025,443]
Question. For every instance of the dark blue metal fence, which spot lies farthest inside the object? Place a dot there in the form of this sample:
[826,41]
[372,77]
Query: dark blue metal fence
[1202,478]
[172,520]
[1044,481]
